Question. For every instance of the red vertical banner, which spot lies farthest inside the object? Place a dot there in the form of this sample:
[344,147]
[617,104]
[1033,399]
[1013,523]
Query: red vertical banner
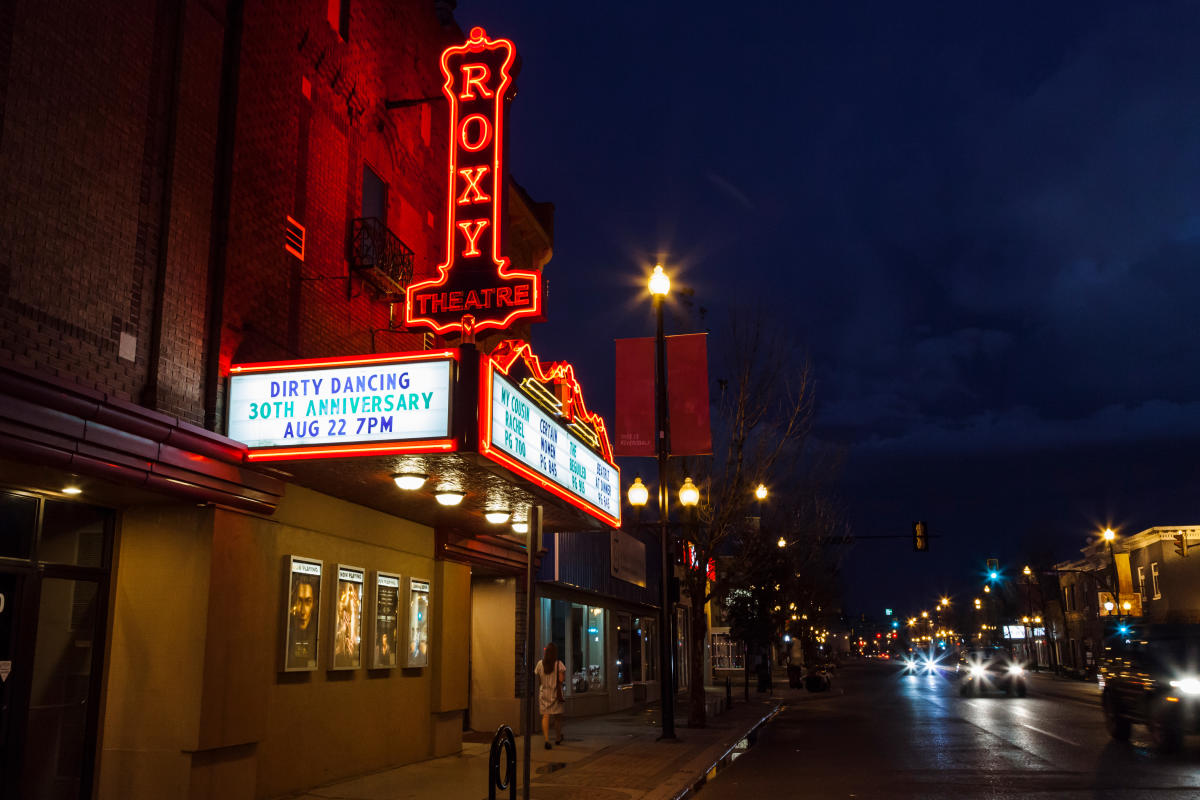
[635,398]
[687,394]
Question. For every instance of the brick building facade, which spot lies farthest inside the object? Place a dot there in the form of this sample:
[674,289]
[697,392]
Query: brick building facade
[183,187]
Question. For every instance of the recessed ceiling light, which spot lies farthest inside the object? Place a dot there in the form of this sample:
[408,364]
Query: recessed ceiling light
[450,498]
[520,527]
[72,490]
[409,481]
[496,517]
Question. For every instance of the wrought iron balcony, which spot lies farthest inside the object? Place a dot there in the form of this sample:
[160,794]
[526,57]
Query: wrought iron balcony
[379,257]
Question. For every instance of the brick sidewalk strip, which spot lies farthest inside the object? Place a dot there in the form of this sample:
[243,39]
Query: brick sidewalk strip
[611,757]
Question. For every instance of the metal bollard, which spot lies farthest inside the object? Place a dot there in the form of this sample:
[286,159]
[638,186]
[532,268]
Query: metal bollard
[503,741]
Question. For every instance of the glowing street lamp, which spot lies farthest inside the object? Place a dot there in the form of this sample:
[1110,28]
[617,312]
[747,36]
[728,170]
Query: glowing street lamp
[760,493]
[638,493]
[689,495]
[660,283]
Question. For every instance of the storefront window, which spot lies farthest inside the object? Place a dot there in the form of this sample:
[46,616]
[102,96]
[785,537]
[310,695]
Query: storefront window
[681,649]
[578,631]
[625,674]
[635,651]
[586,665]
[649,647]
[554,628]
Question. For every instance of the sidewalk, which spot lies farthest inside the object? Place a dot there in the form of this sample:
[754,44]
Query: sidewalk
[611,757]
[1051,685]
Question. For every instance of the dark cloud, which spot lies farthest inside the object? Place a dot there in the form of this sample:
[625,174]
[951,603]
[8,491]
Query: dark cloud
[983,224]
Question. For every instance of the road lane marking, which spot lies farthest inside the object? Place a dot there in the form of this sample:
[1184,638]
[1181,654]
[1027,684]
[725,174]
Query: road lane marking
[1048,733]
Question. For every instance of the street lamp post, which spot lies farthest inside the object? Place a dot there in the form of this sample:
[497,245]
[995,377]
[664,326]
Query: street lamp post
[660,285]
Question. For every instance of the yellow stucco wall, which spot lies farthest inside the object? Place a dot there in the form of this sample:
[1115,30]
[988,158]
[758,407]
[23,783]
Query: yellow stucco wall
[493,633]
[195,704]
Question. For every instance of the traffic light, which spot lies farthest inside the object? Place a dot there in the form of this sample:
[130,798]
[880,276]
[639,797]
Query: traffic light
[920,537]
[1181,546]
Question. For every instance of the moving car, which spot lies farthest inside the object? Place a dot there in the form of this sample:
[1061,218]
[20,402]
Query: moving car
[991,669]
[1151,677]
[925,663]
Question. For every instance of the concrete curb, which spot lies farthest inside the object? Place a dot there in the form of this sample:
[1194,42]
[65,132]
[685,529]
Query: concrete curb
[704,775]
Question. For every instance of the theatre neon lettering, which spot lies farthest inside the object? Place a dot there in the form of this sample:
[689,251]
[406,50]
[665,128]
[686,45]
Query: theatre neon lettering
[475,287]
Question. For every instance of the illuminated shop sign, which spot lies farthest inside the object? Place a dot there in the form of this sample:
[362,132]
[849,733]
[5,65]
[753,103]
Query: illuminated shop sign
[545,433]
[364,405]
[475,287]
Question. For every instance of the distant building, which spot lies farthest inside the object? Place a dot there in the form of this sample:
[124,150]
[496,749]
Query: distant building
[1143,575]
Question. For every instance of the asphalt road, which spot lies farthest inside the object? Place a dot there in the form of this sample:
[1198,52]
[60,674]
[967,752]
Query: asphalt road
[880,735]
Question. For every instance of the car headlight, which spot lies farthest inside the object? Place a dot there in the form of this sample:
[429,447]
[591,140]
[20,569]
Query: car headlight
[1187,685]
[910,664]
[977,671]
[1015,669]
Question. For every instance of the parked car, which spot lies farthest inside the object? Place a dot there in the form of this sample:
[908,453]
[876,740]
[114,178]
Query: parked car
[1151,677]
[991,668]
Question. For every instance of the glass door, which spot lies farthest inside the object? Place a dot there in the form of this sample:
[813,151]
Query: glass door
[12,705]
[54,568]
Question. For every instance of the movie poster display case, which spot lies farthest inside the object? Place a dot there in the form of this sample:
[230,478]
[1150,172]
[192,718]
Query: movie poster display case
[417,654]
[302,614]
[385,628]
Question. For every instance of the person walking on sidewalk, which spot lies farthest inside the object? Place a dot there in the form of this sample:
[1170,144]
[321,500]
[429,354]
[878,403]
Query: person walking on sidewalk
[550,674]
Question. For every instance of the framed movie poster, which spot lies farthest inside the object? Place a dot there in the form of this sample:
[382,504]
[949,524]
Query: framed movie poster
[347,618]
[386,630]
[418,623]
[302,615]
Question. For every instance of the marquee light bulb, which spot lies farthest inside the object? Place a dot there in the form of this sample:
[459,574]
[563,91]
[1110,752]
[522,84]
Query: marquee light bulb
[409,481]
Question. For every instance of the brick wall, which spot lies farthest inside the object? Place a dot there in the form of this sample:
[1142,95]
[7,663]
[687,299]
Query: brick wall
[89,172]
[79,163]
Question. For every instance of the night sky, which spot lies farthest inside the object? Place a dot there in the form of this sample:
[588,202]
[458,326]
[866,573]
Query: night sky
[983,224]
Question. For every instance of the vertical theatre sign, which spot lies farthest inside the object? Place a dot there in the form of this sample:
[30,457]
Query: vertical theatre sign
[475,289]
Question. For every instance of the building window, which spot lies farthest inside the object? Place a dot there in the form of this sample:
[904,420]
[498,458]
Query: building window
[624,650]
[1154,579]
[1141,587]
[374,195]
[338,14]
[726,653]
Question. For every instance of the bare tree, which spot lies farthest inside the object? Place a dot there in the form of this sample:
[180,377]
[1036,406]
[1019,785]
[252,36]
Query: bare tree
[761,428]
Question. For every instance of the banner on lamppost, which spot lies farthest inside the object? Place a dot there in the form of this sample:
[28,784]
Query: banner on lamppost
[634,420]
[687,396]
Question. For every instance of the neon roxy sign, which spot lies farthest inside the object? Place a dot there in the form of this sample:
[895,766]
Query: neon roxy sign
[475,289]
